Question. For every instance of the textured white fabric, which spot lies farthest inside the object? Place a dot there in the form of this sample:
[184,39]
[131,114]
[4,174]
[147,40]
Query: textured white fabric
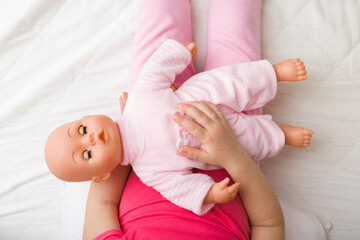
[60,60]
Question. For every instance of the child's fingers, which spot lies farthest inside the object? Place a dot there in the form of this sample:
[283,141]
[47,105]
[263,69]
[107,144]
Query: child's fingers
[194,154]
[215,109]
[194,128]
[206,109]
[192,110]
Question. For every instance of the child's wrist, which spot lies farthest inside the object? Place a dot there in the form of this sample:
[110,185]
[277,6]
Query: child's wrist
[238,162]
[233,163]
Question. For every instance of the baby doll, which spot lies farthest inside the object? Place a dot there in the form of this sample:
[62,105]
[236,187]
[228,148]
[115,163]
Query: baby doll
[147,138]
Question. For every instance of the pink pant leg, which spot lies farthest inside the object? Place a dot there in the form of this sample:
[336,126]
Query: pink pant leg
[234,35]
[234,32]
[257,134]
[159,20]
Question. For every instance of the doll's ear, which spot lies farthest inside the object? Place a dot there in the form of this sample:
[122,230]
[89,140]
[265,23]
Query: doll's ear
[101,178]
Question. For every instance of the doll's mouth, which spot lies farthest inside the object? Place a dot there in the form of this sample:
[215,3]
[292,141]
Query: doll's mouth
[106,137]
[103,136]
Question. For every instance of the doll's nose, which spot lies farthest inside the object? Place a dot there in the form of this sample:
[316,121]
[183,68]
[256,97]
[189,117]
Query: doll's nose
[91,139]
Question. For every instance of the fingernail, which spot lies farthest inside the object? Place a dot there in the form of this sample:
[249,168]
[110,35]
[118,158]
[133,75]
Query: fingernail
[180,105]
[181,151]
[175,116]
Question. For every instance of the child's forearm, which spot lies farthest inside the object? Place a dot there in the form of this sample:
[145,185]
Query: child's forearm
[100,217]
[220,147]
[260,201]
[103,204]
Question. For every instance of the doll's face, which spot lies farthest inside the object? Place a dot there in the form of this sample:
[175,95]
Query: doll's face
[87,149]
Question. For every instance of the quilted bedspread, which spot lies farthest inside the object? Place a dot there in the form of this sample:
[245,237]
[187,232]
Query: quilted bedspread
[61,60]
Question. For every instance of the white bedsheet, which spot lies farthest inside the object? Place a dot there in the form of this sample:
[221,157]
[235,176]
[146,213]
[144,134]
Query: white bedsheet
[61,60]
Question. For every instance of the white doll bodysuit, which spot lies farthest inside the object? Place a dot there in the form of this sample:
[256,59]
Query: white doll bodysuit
[150,137]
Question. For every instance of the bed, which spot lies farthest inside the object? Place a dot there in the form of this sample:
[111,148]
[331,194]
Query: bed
[61,60]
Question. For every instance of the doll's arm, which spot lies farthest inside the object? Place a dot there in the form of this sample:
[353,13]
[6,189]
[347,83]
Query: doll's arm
[193,191]
[102,206]
[221,193]
[220,147]
[161,68]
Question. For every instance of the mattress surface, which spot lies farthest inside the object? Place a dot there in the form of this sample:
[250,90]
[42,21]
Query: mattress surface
[61,60]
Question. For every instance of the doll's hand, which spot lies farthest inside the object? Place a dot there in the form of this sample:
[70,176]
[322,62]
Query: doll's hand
[192,48]
[173,87]
[122,101]
[221,193]
[219,144]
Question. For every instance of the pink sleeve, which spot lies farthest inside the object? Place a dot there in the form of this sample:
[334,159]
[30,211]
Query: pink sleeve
[183,188]
[242,86]
[161,68]
[114,234]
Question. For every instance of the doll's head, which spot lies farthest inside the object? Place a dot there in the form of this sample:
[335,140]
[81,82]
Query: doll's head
[87,149]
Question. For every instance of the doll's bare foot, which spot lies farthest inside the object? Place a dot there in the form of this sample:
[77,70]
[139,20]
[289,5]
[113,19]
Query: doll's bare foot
[296,136]
[290,70]
[192,48]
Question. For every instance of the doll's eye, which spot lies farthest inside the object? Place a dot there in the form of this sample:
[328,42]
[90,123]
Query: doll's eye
[87,154]
[82,130]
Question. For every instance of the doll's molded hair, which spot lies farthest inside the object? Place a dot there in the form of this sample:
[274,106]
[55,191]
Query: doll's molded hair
[58,160]
[53,156]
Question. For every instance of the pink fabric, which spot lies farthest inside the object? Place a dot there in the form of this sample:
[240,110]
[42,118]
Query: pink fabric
[113,234]
[234,33]
[159,20]
[149,107]
[239,41]
[145,214]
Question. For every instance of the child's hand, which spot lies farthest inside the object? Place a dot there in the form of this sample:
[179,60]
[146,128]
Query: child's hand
[122,101]
[192,48]
[221,193]
[219,144]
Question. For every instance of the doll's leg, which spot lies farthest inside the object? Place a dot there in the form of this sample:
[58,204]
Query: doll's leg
[257,134]
[159,20]
[234,32]
[241,86]
[262,138]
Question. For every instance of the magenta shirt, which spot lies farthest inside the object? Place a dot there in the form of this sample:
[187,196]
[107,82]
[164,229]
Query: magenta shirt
[145,214]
